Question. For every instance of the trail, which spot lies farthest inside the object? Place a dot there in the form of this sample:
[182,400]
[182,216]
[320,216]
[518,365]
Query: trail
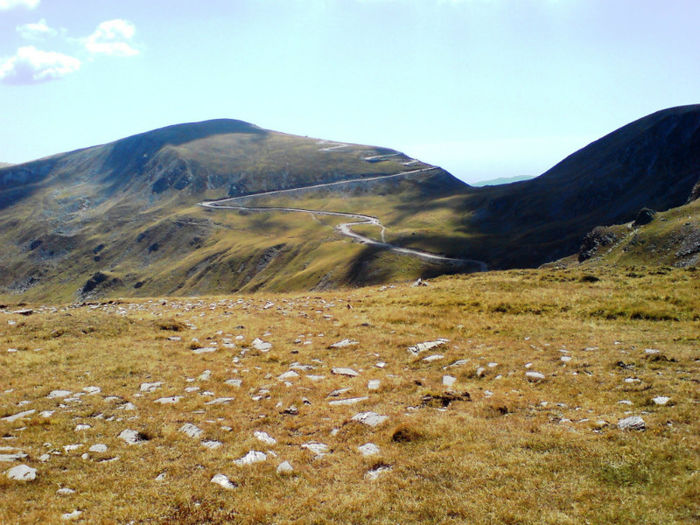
[344,228]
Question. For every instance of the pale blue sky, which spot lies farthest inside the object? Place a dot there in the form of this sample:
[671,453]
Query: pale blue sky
[484,88]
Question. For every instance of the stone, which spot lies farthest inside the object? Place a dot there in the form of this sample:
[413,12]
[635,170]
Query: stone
[319,449]
[264,437]
[220,401]
[20,415]
[204,350]
[661,400]
[534,377]
[250,458]
[377,471]
[191,430]
[434,357]
[168,400]
[233,382]
[224,482]
[70,516]
[65,491]
[92,390]
[22,473]
[340,371]
[57,394]
[428,345]
[78,428]
[448,380]
[211,444]
[339,392]
[371,419]
[98,447]
[150,387]
[131,437]
[285,468]
[260,345]
[632,423]
[14,456]
[291,374]
[344,343]
[368,449]
[373,384]
[348,401]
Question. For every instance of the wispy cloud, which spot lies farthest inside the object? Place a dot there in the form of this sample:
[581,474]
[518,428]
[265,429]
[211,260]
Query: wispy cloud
[112,37]
[33,66]
[10,4]
[36,31]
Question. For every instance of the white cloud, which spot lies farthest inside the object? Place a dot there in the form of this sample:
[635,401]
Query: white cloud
[32,66]
[112,38]
[9,4]
[36,31]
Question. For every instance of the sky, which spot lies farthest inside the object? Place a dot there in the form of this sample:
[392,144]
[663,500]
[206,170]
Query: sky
[483,88]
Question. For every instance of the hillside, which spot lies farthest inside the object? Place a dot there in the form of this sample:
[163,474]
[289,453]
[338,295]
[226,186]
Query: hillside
[529,396]
[124,219]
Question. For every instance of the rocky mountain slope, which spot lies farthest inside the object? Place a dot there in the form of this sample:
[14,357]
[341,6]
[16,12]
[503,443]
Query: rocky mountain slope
[123,218]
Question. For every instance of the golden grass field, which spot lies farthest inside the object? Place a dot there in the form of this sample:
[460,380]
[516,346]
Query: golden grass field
[511,451]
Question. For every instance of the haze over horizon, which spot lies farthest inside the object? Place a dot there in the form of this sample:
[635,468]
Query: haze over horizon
[483,88]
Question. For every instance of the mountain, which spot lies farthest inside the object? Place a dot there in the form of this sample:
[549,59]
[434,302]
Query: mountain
[502,180]
[125,218]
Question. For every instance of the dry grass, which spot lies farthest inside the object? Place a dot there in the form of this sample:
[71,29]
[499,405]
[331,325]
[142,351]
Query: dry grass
[516,452]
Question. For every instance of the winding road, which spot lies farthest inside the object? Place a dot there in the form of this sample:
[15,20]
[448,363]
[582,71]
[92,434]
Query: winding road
[344,228]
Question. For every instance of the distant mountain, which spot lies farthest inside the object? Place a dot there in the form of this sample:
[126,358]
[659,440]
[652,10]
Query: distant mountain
[502,180]
[124,218]
[4,164]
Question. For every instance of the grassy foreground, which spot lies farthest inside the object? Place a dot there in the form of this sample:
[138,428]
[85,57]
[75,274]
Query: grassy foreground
[494,447]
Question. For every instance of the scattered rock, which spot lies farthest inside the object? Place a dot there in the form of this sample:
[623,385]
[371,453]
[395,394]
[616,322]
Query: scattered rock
[92,390]
[373,384]
[434,357]
[285,468]
[632,423]
[661,400]
[250,458]
[419,282]
[205,376]
[150,387]
[448,380]
[264,437]
[21,415]
[348,401]
[371,419]
[291,374]
[428,345]
[14,456]
[220,401]
[223,481]
[168,400]
[98,447]
[233,382]
[211,444]
[132,437]
[260,345]
[377,470]
[534,377]
[65,491]
[344,372]
[320,449]
[70,516]
[57,394]
[205,350]
[368,449]
[191,430]
[22,473]
[344,343]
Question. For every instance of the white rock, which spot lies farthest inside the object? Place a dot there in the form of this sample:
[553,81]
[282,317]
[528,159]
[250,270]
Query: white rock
[211,444]
[131,437]
[191,430]
[344,343]
[319,449]
[651,351]
[205,376]
[371,419]
[368,449]
[150,387]
[15,456]
[376,472]
[315,378]
[70,516]
[566,358]
[625,402]
[46,413]
[71,448]
[448,380]
[291,374]
[78,428]
[168,400]
[65,491]
[260,345]
[233,382]
[127,406]
[339,392]
[285,468]
[250,458]
[632,423]
[205,350]
[21,415]
[661,400]
[348,401]
[92,390]
[264,437]
[344,372]
[190,389]
[44,458]
[428,345]
[223,481]
[480,372]
[55,394]
[380,364]
[98,447]
[434,357]
[373,384]
[22,473]
[534,376]
[220,401]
